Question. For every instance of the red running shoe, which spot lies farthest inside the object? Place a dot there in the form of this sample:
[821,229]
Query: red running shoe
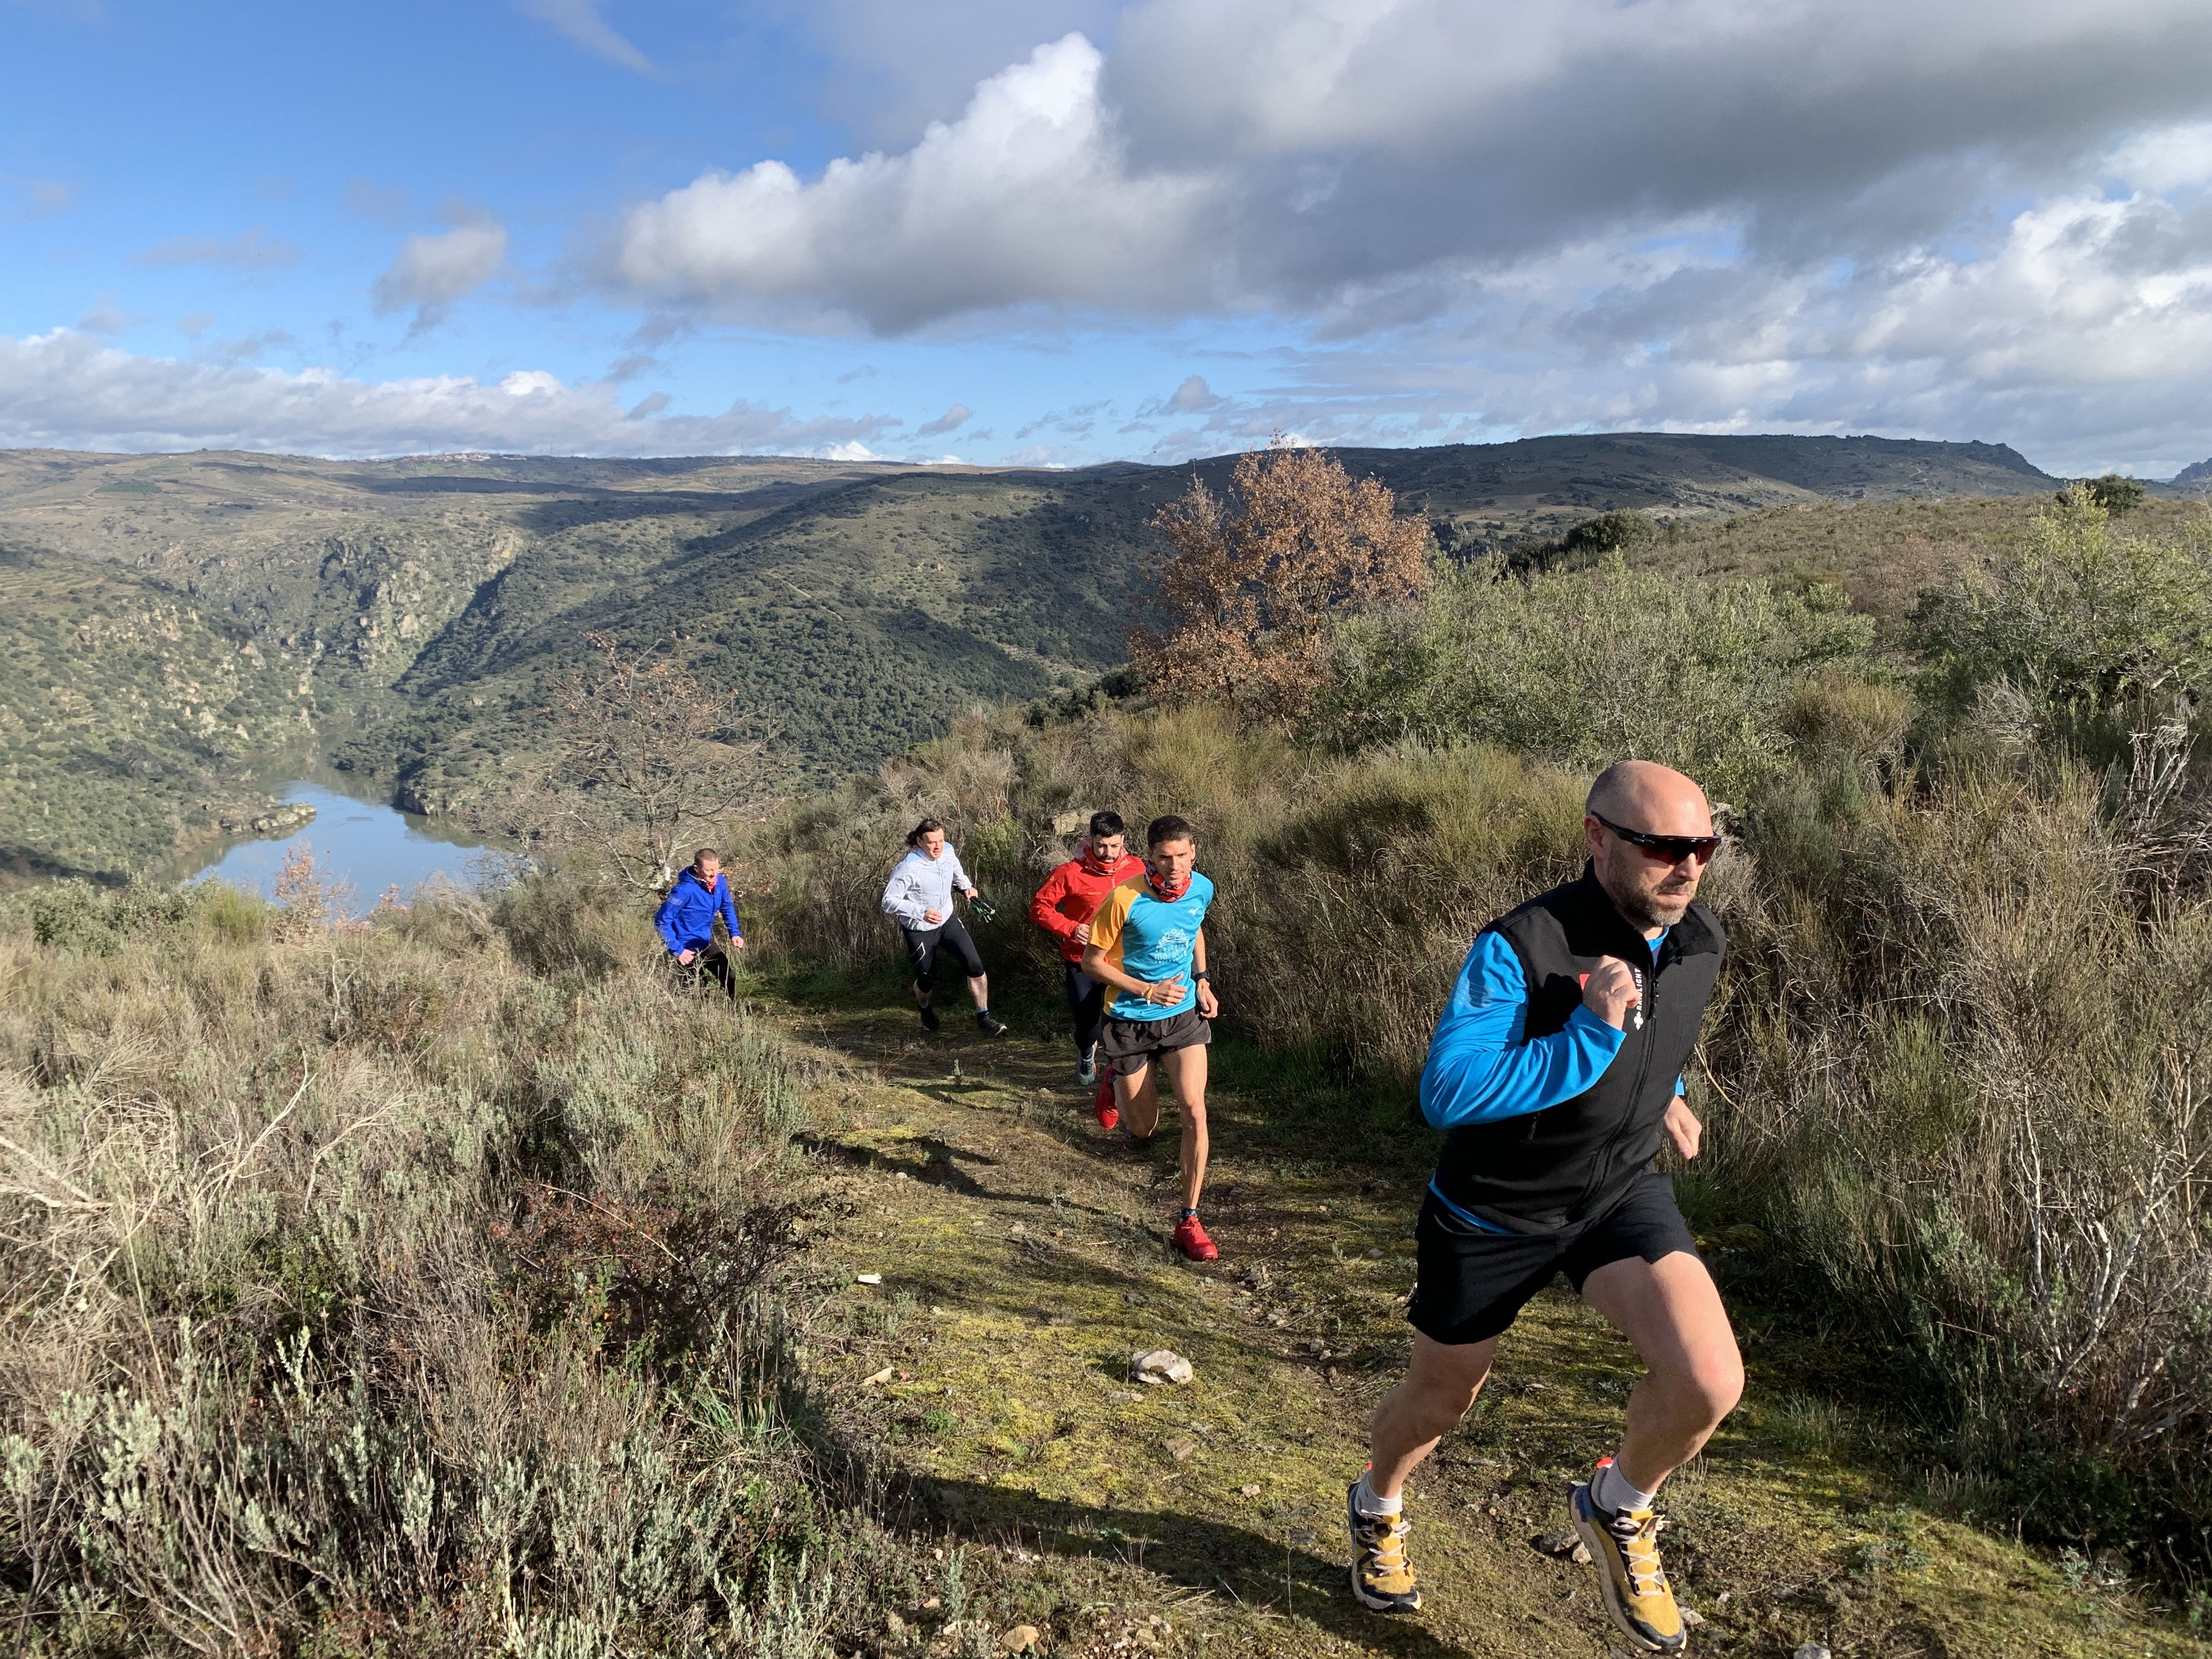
[1190,1238]
[1101,1103]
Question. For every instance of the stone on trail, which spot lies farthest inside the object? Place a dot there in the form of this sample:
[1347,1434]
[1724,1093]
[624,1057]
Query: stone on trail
[1558,1543]
[1692,1617]
[867,1278]
[877,1379]
[1161,1365]
[1247,1491]
[1182,1448]
[1811,1650]
[1021,1638]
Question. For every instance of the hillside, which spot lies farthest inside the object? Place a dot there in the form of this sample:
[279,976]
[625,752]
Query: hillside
[407,614]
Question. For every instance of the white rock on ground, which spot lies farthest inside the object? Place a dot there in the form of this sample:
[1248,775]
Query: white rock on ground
[1161,1365]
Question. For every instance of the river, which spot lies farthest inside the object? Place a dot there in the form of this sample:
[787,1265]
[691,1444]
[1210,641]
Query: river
[368,845]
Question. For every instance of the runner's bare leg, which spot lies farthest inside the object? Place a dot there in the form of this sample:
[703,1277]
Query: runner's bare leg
[1438,1388]
[1139,1097]
[1186,1070]
[1671,1311]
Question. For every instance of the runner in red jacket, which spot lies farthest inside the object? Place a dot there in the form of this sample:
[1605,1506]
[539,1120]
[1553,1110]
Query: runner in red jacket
[1063,907]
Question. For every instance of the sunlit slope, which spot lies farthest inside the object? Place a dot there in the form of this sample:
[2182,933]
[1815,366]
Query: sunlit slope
[419,607]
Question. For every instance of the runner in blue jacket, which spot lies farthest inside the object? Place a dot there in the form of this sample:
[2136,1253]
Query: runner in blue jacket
[686,919]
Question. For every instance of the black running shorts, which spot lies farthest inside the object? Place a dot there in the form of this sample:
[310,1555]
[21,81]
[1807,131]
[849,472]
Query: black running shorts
[923,944]
[1472,1284]
[1131,1044]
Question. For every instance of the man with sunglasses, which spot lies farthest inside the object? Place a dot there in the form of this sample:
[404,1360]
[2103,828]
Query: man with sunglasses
[1556,1070]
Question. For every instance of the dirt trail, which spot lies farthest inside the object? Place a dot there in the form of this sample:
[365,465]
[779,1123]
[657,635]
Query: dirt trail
[1023,1262]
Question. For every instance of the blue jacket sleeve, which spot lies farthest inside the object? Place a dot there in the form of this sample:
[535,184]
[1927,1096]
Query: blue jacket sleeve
[664,919]
[729,907]
[1482,1065]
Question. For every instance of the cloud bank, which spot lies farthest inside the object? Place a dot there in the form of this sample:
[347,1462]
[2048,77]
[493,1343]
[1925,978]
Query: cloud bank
[1711,213]
[65,389]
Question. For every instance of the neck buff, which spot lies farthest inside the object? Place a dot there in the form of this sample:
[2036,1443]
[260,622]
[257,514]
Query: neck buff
[1094,864]
[1169,893]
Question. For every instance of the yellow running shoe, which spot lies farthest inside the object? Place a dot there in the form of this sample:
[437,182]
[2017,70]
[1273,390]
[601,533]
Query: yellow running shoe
[1624,1550]
[1382,1576]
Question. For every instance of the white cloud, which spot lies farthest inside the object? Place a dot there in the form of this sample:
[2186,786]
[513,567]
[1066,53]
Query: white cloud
[581,21]
[954,416]
[251,249]
[433,269]
[66,389]
[1022,200]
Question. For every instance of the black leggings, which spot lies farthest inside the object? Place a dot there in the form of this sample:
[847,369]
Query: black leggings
[712,964]
[1086,1001]
[923,945]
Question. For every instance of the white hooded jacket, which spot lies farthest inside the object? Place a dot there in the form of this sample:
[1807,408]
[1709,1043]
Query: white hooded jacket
[921,884]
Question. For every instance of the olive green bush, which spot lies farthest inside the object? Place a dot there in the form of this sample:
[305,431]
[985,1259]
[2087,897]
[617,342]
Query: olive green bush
[1584,666]
[365,1289]
[2077,614]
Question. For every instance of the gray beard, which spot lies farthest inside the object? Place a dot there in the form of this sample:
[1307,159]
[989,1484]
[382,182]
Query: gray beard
[1644,909]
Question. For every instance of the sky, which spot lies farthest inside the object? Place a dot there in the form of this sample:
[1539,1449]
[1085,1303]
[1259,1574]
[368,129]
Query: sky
[1061,232]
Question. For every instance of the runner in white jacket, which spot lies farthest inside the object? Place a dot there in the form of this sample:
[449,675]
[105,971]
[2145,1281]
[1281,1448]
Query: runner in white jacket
[919,897]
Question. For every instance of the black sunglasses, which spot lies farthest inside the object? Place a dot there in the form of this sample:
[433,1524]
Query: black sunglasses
[1668,849]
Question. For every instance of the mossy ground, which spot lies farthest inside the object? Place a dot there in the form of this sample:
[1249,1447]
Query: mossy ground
[1023,1262]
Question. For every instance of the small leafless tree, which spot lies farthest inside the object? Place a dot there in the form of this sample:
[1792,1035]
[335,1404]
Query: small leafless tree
[1247,597]
[652,761]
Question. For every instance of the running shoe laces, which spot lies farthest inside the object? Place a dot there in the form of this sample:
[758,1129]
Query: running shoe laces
[1637,1532]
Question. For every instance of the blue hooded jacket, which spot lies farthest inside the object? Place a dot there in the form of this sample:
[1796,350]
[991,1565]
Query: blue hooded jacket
[686,916]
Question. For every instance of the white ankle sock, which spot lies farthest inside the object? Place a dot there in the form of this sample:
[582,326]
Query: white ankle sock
[1611,1491]
[1366,1499]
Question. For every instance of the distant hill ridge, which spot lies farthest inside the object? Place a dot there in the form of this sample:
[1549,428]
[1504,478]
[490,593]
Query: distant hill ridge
[237,604]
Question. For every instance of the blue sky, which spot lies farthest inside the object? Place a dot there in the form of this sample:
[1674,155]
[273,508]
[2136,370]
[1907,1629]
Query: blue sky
[1070,231]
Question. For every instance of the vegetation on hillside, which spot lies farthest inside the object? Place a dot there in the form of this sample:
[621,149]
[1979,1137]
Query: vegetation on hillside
[431,1284]
[1951,1080]
[419,611]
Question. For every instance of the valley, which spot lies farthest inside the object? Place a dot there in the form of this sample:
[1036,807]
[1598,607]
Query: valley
[176,624]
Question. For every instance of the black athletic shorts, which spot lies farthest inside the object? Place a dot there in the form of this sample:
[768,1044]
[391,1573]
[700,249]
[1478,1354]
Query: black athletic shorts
[1130,1043]
[950,936]
[1471,1284]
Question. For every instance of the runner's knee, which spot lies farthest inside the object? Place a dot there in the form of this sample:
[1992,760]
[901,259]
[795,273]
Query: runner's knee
[1443,1402]
[1711,1383]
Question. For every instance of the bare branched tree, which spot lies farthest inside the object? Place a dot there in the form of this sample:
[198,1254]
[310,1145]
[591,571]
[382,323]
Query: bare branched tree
[652,761]
[1247,597]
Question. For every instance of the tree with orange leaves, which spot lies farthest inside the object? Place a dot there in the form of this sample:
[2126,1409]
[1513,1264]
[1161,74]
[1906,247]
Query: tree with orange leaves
[1247,596]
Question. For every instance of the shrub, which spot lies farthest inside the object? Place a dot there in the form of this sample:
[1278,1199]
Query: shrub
[1583,667]
[369,1293]
[2115,493]
[1962,1052]
[1250,594]
[1610,532]
[2081,618]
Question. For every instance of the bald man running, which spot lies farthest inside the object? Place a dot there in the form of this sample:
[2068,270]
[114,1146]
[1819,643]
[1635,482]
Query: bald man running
[1556,1070]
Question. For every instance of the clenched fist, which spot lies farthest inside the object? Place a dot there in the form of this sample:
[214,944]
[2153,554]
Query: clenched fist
[1609,992]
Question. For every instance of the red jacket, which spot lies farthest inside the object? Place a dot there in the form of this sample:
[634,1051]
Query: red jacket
[1072,894]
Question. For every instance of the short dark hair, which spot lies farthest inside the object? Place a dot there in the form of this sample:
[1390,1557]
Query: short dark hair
[1169,828]
[914,836]
[1107,823]
[703,854]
